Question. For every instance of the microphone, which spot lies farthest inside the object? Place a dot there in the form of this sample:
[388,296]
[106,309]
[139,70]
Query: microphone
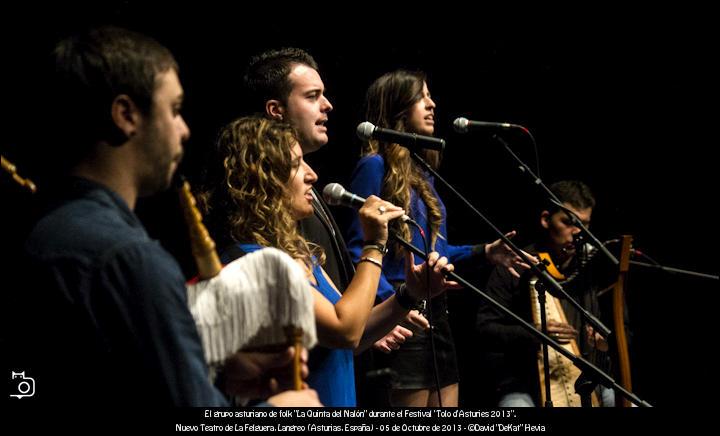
[367,131]
[335,195]
[633,251]
[463,125]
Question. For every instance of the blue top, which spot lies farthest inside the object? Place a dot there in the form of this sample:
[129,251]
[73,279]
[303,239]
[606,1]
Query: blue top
[332,373]
[367,180]
[109,322]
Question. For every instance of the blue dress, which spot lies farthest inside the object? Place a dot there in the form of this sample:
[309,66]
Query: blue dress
[331,369]
[413,361]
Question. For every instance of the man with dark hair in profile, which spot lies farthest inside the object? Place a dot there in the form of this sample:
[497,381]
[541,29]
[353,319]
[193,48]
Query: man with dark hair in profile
[285,84]
[508,351]
[102,313]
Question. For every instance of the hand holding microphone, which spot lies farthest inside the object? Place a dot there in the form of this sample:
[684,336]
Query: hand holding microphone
[374,217]
[335,195]
[375,213]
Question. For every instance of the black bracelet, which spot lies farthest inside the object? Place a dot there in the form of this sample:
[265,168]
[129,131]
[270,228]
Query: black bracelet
[404,299]
[479,249]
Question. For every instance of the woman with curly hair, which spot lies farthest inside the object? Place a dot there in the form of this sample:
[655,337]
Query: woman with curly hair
[265,191]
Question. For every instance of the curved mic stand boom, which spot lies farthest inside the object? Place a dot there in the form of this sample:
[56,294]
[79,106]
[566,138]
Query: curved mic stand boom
[556,201]
[581,363]
[539,269]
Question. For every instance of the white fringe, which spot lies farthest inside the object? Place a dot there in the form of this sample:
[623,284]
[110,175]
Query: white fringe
[250,303]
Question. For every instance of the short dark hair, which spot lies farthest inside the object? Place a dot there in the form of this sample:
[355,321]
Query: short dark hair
[574,192]
[266,77]
[94,67]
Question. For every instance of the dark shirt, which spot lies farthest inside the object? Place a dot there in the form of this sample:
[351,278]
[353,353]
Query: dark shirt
[321,229]
[508,352]
[106,318]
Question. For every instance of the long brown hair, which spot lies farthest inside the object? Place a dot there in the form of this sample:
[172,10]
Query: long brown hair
[389,100]
[253,196]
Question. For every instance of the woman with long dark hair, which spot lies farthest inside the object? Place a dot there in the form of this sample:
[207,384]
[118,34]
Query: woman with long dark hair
[401,101]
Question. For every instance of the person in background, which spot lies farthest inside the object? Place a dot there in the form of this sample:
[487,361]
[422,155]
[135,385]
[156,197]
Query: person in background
[266,190]
[105,318]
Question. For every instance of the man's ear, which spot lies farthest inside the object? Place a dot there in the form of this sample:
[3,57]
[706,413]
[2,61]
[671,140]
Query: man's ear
[545,219]
[126,117]
[274,109]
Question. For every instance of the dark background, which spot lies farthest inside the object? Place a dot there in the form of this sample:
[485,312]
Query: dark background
[619,99]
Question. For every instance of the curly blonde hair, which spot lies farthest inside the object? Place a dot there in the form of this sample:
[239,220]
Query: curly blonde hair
[253,196]
[389,100]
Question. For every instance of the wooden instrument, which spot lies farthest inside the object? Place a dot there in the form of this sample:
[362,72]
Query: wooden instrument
[261,301]
[623,356]
[203,247]
[562,371]
[9,167]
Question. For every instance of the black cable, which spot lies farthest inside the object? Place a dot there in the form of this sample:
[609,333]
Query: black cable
[578,361]
[428,305]
[535,147]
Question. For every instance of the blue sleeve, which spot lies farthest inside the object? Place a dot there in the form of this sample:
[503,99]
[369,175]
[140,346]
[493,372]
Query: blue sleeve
[459,253]
[366,180]
[469,255]
[148,281]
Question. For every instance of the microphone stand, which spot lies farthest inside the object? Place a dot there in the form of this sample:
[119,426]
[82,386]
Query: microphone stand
[585,385]
[578,361]
[671,270]
[543,328]
[539,269]
[556,201]
[667,269]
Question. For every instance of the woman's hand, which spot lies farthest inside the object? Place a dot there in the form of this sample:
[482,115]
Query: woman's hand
[416,278]
[393,340]
[374,217]
[499,253]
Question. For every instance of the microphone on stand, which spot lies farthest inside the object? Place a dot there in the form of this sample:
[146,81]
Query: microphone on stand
[367,131]
[463,125]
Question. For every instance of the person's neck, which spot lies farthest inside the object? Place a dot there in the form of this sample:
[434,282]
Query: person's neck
[561,259]
[564,261]
[111,170]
